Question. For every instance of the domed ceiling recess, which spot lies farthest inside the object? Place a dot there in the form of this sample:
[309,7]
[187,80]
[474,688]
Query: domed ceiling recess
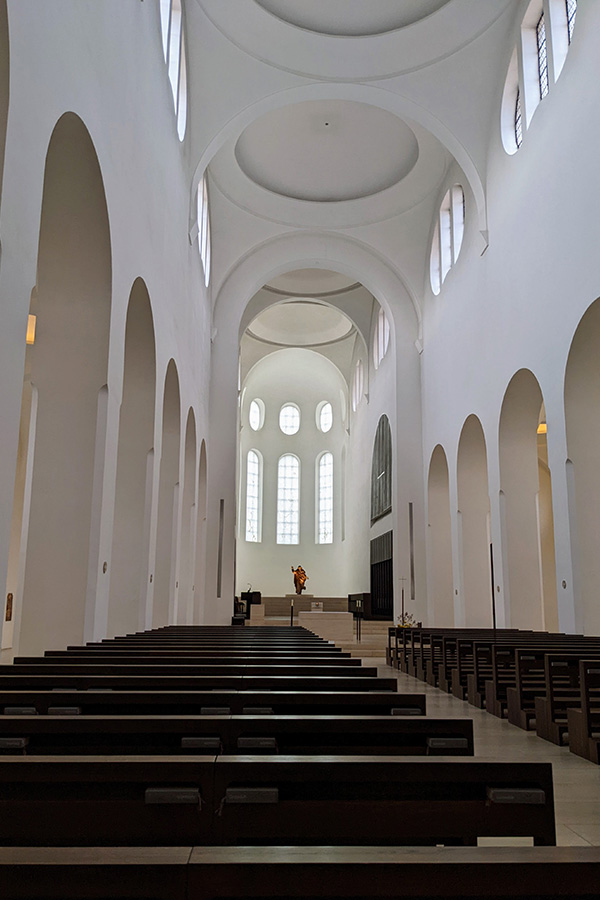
[351,18]
[327,151]
[300,323]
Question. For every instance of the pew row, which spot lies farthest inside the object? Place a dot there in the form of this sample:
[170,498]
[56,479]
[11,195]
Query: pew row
[101,701]
[298,873]
[287,800]
[370,735]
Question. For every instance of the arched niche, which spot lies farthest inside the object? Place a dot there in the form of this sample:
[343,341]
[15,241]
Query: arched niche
[474,524]
[129,559]
[67,368]
[582,400]
[166,527]
[4,84]
[188,525]
[441,587]
[200,550]
[526,506]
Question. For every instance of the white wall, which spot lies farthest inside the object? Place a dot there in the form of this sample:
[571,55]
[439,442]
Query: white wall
[58,64]
[518,305]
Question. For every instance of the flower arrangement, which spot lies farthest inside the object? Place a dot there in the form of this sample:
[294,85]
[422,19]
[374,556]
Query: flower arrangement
[408,621]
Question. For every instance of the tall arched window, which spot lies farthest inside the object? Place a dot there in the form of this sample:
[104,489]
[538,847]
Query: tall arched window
[325,499]
[357,385]
[381,338]
[288,500]
[447,236]
[253,496]
[171,21]
[204,228]
[381,471]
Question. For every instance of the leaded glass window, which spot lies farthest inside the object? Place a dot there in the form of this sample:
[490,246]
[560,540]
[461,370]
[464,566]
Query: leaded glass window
[571,13]
[542,53]
[518,120]
[325,499]
[288,500]
[381,471]
[325,417]
[289,419]
[253,496]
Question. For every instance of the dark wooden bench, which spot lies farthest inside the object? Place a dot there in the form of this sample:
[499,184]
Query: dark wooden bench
[535,681]
[132,702]
[361,799]
[584,724]
[286,800]
[297,873]
[102,667]
[375,873]
[196,657]
[80,681]
[562,693]
[504,666]
[157,735]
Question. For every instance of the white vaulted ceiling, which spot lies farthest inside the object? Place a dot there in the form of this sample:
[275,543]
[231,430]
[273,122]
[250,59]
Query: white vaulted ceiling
[351,17]
[327,150]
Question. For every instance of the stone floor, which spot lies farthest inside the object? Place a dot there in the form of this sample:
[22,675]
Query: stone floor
[576,781]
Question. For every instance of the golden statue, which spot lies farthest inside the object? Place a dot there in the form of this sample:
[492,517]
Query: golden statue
[300,579]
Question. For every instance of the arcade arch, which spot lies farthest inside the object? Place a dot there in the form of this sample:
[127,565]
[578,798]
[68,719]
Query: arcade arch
[185,595]
[526,507]
[66,374]
[168,498]
[441,588]
[582,389]
[129,558]
[4,84]
[474,524]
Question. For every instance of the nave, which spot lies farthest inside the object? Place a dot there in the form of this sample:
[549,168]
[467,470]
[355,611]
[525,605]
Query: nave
[301,772]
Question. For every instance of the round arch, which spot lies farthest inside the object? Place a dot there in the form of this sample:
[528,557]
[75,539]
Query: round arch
[398,105]
[581,392]
[526,506]
[439,543]
[474,524]
[168,501]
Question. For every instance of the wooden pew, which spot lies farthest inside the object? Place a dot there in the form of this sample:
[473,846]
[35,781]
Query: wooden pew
[196,657]
[292,800]
[583,724]
[159,735]
[535,681]
[132,702]
[101,667]
[562,692]
[375,873]
[361,799]
[18,681]
[90,873]
[68,801]
[297,873]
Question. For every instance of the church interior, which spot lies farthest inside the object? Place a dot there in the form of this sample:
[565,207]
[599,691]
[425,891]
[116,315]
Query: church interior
[306,283]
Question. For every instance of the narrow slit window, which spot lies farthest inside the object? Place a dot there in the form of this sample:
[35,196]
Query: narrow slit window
[542,53]
[518,120]
[253,494]
[288,500]
[204,228]
[571,13]
[325,499]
